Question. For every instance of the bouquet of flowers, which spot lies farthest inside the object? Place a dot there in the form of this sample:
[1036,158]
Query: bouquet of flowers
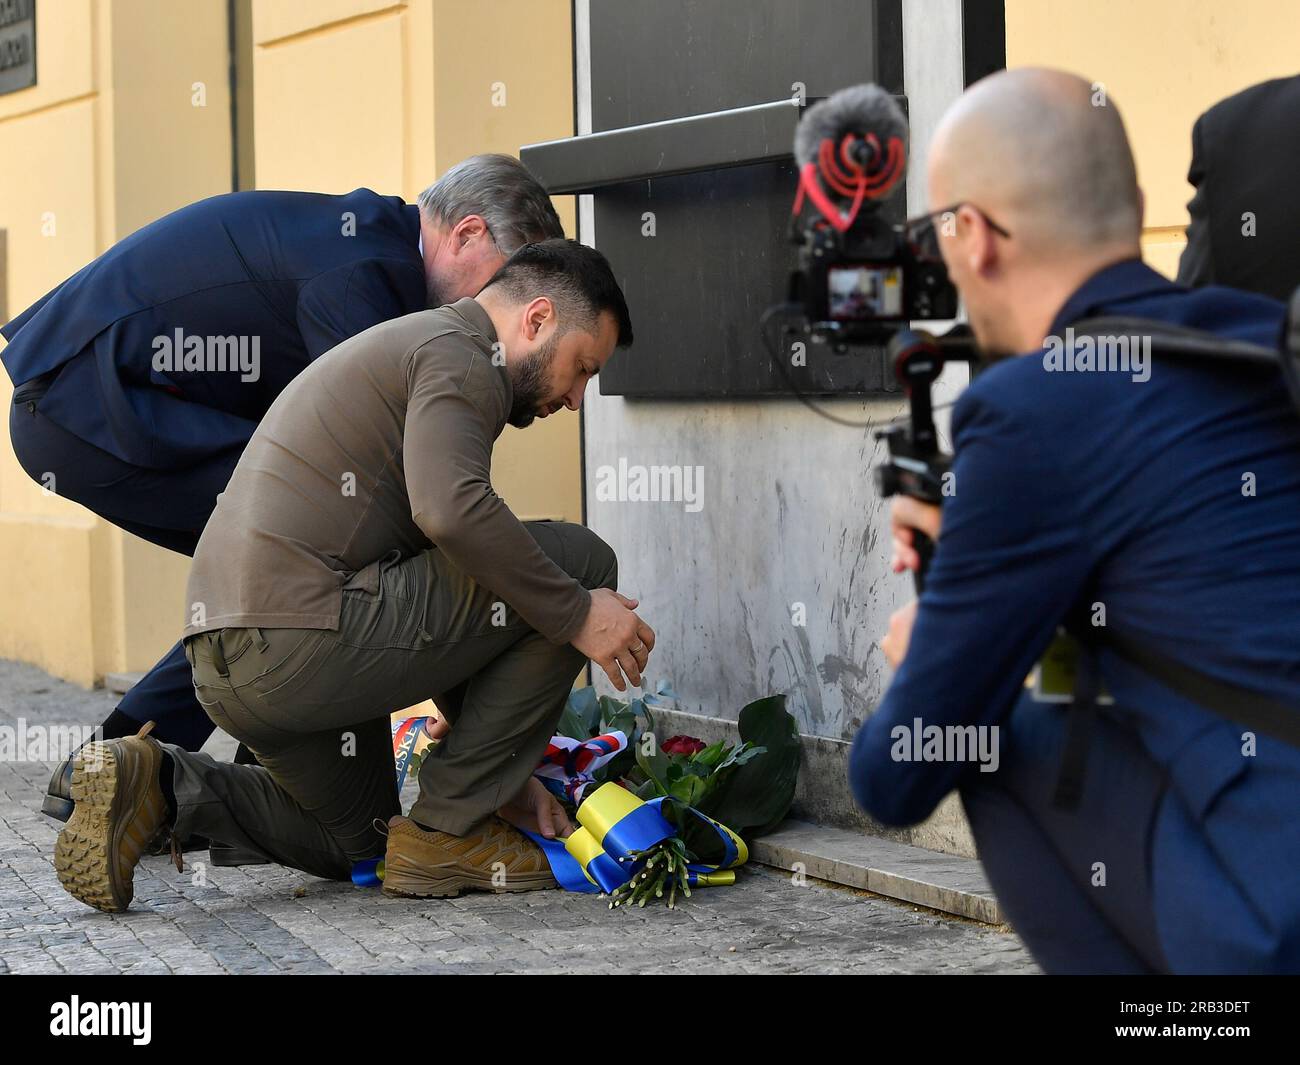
[714,798]
[659,816]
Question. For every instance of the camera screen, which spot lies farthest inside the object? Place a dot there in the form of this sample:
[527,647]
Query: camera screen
[864,293]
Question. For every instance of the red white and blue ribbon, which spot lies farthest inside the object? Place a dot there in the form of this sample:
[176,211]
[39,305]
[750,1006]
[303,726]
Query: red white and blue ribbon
[568,767]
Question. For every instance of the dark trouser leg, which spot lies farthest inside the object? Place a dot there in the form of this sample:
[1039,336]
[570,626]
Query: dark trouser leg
[1042,861]
[505,712]
[168,508]
[245,806]
[165,695]
[508,716]
[313,802]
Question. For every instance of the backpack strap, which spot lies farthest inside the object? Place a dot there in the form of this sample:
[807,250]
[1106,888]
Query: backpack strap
[1078,731]
[1255,710]
[1251,709]
[1170,339]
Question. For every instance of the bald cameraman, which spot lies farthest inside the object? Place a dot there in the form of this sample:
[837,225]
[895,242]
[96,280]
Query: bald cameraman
[1163,503]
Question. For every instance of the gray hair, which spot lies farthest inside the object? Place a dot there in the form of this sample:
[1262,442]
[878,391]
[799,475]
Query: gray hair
[502,192]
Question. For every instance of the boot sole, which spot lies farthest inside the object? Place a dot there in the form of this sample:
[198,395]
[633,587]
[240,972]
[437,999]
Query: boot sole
[425,886]
[84,850]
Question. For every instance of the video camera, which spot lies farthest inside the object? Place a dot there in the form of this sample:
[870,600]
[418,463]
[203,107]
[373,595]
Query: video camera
[862,279]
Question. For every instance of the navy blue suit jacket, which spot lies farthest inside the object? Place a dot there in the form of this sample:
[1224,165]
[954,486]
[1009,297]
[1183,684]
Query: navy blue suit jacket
[1075,488]
[298,271]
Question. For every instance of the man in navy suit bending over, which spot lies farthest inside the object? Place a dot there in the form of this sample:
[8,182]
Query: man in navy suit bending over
[1159,498]
[139,380]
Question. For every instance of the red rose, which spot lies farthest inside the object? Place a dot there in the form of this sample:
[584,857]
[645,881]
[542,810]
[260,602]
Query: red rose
[682,745]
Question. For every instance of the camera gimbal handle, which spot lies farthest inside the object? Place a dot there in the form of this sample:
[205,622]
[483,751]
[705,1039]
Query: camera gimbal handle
[916,465]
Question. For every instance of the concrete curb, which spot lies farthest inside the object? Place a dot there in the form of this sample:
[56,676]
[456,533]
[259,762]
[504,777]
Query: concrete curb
[926,878]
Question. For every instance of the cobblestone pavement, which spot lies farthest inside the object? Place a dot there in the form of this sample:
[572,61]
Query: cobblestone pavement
[261,919]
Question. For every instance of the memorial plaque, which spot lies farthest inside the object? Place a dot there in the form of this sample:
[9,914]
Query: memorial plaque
[17,45]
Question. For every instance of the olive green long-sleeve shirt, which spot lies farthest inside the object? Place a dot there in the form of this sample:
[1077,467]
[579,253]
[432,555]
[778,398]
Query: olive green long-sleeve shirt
[383,443]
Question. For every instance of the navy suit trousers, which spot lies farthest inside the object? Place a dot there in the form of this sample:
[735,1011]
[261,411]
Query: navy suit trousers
[166,507]
[1075,884]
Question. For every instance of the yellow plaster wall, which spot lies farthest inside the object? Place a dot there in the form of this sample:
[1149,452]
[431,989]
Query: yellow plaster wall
[1164,62]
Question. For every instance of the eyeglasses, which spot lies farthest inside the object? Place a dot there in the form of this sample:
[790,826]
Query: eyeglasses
[922,233]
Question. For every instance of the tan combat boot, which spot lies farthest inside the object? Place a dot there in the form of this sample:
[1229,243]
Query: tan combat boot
[119,811]
[497,857]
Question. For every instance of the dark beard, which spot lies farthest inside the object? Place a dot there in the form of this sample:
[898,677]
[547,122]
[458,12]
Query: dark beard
[528,382]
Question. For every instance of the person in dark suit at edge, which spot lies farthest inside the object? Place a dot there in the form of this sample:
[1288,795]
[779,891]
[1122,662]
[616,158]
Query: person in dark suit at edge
[1245,216]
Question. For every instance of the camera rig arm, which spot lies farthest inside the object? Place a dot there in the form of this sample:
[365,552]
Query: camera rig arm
[917,465]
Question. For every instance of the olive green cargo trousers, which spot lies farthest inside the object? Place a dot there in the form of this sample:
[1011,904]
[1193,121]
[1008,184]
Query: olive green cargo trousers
[314,706]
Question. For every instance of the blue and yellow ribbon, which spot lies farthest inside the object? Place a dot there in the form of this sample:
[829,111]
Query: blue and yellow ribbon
[616,825]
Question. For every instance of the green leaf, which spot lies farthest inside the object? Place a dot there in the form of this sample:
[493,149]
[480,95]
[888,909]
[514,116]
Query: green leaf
[649,718]
[711,755]
[624,721]
[662,696]
[754,795]
[740,754]
[577,710]
[688,788]
[608,709]
[655,766]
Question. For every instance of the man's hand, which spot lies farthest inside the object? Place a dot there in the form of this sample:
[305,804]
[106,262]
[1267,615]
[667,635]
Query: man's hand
[535,809]
[615,638]
[900,634]
[906,516]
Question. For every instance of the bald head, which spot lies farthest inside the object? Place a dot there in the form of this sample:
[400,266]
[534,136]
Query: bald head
[1041,156]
